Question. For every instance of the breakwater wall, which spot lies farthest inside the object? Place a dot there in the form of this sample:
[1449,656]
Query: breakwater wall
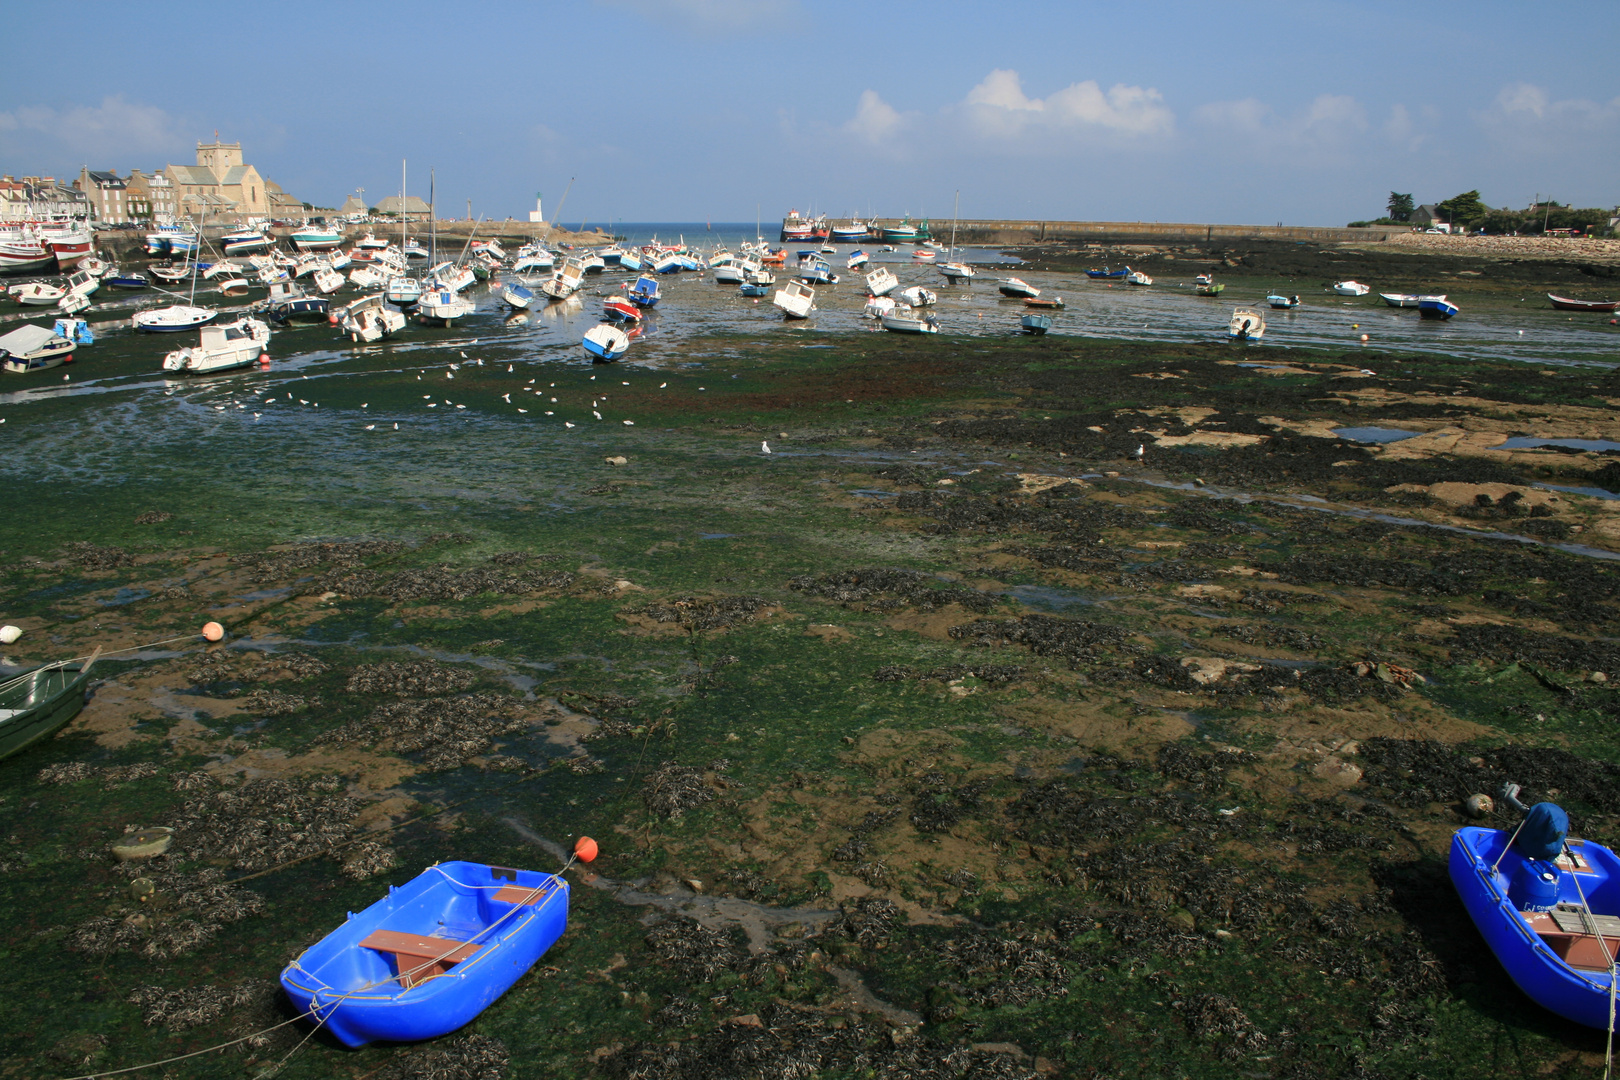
[988,232]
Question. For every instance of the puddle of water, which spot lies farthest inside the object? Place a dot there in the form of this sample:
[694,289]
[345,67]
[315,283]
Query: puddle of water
[874,493]
[1595,492]
[125,596]
[1046,599]
[266,594]
[718,536]
[1523,442]
[1374,434]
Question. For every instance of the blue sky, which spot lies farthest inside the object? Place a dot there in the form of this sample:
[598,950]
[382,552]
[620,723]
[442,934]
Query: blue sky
[680,110]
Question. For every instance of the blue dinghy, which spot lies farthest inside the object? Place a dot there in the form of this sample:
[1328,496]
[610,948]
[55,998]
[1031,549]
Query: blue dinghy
[431,955]
[1529,910]
[1436,307]
[644,293]
[1107,272]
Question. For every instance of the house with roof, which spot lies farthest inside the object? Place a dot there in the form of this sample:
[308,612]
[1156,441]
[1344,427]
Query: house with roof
[413,207]
[41,198]
[220,185]
[108,195]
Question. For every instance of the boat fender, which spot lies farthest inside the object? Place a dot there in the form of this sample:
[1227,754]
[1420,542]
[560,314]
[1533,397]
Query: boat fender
[1543,832]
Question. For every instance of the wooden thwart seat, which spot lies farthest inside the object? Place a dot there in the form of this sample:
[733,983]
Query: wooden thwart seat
[524,894]
[412,951]
[1569,934]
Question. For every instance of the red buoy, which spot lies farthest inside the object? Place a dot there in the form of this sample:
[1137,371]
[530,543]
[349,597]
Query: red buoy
[585,848]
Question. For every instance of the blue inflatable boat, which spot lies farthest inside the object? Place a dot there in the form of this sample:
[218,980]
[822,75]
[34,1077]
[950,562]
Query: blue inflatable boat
[1531,912]
[431,955]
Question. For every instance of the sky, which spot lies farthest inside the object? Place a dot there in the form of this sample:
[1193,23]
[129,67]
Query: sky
[1304,112]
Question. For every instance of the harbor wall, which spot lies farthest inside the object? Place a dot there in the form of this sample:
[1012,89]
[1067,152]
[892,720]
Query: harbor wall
[1004,232]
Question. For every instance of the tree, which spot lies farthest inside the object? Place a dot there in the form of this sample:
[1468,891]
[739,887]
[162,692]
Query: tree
[1464,209]
[1401,206]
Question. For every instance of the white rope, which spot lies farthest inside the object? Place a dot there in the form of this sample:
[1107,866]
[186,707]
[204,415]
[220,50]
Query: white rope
[55,664]
[1509,844]
[1591,924]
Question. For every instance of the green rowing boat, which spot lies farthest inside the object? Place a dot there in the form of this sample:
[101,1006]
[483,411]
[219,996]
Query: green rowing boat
[37,704]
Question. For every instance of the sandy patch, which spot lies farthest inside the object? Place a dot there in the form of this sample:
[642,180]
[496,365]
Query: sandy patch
[1033,483]
[1457,493]
[828,632]
[1219,439]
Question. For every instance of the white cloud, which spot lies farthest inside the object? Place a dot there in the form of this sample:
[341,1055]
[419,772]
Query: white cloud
[1521,105]
[104,135]
[1330,123]
[709,16]
[875,120]
[998,107]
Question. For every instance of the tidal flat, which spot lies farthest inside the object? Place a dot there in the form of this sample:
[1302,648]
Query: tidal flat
[950,737]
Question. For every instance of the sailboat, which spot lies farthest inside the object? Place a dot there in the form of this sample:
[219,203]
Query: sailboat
[176,317]
[441,302]
[403,289]
[953,270]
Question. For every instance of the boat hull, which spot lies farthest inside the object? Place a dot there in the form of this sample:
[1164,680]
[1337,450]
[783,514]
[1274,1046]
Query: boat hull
[1037,325]
[1564,303]
[42,706]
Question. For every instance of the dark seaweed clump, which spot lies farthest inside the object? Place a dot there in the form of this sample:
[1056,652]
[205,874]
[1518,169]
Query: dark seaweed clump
[465,1057]
[67,772]
[1415,772]
[1488,641]
[277,565]
[448,732]
[153,517]
[187,912]
[885,590]
[441,583]
[1074,640]
[996,674]
[697,613]
[262,822]
[192,1006]
[674,789]
[94,557]
[406,679]
[938,804]
[1070,516]
[698,953]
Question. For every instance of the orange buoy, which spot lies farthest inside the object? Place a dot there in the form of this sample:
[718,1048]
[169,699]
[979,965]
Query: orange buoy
[585,848]
[1363,338]
[213,631]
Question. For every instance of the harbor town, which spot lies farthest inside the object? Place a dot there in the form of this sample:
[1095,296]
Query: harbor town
[610,579]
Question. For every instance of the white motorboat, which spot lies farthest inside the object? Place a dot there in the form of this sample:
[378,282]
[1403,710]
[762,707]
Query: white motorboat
[369,242]
[1018,289]
[369,319]
[245,242]
[317,238]
[567,281]
[538,261]
[34,348]
[73,303]
[796,299]
[454,278]
[881,282]
[917,296]
[957,271]
[413,250]
[93,264]
[37,294]
[1246,325]
[1136,277]
[1351,288]
[593,263]
[328,280]
[368,276]
[306,265]
[172,319]
[338,260]
[518,296]
[606,342]
[729,273]
[220,348]
[403,291]
[879,306]
[233,286]
[442,307]
[220,269]
[857,260]
[908,320]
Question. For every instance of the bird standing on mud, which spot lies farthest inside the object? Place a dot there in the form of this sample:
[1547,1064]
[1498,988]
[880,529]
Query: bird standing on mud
[764,446]
[1140,450]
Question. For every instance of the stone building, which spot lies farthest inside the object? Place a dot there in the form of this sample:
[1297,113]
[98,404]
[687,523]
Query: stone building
[151,196]
[415,209]
[221,186]
[41,198]
[108,194]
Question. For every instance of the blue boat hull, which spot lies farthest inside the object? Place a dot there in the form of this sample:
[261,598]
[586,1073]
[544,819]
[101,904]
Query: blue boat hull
[1105,273]
[1578,995]
[1436,309]
[601,353]
[755,290]
[1036,324]
[355,990]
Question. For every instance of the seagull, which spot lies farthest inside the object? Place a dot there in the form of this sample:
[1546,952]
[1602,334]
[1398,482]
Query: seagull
[624,384]
[508,367]
[764,447]
[629,423]
[464,356]
[255,416]
[523,410]
[553,384]
[419,378]
[531,380]
[301,401]
[65,378]
[568,423]
[554,401]
[1140,450]
[363,404]
[508,398]
[371,427]
[596,414]
[593,378]
[396,425]
[550,413]
[433,405]
[662,385]
[427,397]
[461,406]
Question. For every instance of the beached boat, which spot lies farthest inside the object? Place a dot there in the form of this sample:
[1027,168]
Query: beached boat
[172,274]
[1107,272]
[246,242]
[173,318]
[567,281]
[131,281]
[1049,303]
[431,955]
[796,299]
[1399,300]
[233,286]
[1017,288]
[1436,307]
[903,233]
[316,238]
[606,342]
[916,296]
[857,259]
[957,271]
[288,302]
[1209,288]
[34,348]
[1564,303]
[754,289]
[1548,907]
[414,250]
[403,291]
[644,293]
[327,280]
[1246,325]
[37,704]
[451,276]
[908,320]
[1136,277]
[1278,301]
[1035,324]
[853,233]
[369,319]
[539,261]
[817,272]
[371,242]
[73,303]
[24,253]
[37,293]
[517,296]
[221,347]
[924,255]
[728,274]
[631,261]
[881,282]
[878,306]
[1351,288]
[75,330]
[442,307]
[618,308]
[69,243]
[368,276]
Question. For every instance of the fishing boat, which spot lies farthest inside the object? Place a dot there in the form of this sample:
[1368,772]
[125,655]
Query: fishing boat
[246,242]
[173,318]
[881,282]
[903,233]
[853,233]
[288,302]
[923,255]
[34,348]
[1108,272]
[1278,301]
[620,309]
[631,261]
[221,348]
[908,320]
[37,704]
[23,252]
[754,289]
[516,296]
[817,272]
[878,306]
[1564,303]
[131,281]
[316,238]
[957,271]
[857,259]
[403,291]
[1050,303]
[916,296]
[37,293]
[368,319]
[327,280]
[567,281]
[539,261]
[450,276]
[368,276]
[796,299]
[1209,288]
[644,293]
[1017,288]
[69,243]
[1246,325]
[1351,288]
[1548,907]
[414,250]
[606,342]
[172,274]
[370,242]
[1035,324]
[730,273]
[1136,277]
[431,955]
[442,307]
[1436,307]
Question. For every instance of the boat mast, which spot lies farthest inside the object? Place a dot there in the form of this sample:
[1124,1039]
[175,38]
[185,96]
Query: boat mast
[402,240]
[433,221]
[954,212]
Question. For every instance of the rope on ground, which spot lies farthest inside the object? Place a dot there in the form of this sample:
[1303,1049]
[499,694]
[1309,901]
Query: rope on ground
[25,676]
[1590,921]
